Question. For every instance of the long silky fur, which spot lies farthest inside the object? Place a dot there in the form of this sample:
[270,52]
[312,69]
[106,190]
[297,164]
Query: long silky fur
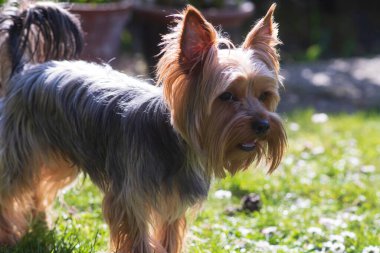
[95,117]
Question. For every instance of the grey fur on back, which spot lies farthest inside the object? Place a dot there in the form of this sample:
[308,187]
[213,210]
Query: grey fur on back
[108,124]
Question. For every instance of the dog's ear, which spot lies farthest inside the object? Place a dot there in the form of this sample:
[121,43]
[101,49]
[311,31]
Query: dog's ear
[264,32]
[197,37]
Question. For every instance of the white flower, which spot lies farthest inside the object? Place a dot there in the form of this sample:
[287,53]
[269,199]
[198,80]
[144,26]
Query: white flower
[348,234]
[332,223]
[319,118]
[354,161]
[222,194]
[371,249]
[355,217]
[294,127]
[336,239]
[263,245]
[334,247]
[227,247]
[338,248]
[318,150]
[327,246]
[269,230]
[303,203]
[368,169]
[244,231]
[315,231]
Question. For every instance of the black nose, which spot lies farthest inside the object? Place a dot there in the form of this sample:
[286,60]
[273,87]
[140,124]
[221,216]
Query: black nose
[260,126]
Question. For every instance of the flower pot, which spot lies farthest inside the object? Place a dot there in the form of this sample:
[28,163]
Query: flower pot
[103,25]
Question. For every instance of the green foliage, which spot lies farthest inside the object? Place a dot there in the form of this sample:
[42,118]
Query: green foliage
[313,52]
[323,197]
[42,240]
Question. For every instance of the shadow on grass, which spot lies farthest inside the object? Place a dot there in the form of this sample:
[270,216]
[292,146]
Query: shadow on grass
[40,239]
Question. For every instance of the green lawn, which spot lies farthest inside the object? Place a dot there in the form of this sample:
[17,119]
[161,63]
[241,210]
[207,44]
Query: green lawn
[325,197]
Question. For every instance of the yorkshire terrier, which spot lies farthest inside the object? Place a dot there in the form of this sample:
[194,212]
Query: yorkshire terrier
[152,150]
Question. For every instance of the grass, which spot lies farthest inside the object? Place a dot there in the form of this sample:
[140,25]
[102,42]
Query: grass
[324,198]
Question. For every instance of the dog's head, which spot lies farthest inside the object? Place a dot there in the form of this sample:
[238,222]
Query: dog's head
[222,98]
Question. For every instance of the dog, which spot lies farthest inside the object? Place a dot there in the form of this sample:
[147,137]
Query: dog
[151,150]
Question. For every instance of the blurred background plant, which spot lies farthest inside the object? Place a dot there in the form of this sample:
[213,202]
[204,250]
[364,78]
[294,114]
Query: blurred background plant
[203,4]
[310,30]
[319,29]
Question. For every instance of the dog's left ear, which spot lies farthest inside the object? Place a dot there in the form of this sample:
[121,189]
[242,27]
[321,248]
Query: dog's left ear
[265,31]
[197,37]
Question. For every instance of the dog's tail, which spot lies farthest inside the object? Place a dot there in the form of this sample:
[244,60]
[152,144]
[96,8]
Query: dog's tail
[35,33]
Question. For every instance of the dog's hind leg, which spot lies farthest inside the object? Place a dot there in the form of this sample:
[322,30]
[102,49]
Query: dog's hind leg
[19,206]
[15,215]
[24,188]
[54,175]
[16,193]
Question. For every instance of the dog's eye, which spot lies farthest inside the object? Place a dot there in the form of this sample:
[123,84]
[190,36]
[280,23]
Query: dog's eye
[227,96]
[264,96]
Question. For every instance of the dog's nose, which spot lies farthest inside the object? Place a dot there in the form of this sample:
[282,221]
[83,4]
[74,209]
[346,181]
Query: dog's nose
[261,127]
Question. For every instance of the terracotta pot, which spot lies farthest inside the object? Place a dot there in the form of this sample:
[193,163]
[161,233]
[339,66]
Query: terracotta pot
[103,25]
[150,22]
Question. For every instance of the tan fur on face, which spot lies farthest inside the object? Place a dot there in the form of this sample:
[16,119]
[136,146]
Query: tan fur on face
[191,88]
[230,123]
[184,52]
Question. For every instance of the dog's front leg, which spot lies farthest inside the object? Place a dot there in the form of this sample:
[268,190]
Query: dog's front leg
[128,221]
[171,235]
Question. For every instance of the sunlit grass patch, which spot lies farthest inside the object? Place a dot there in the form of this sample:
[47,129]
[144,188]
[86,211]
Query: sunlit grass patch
[323,198]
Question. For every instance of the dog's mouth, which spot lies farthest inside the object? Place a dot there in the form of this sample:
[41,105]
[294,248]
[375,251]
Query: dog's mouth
[248,146]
